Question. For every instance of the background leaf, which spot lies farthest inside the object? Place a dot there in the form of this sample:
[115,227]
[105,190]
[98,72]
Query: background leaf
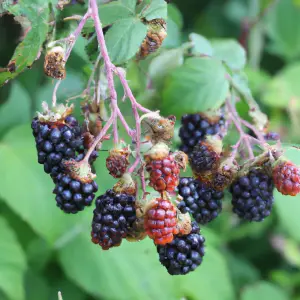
[264,290]
[124,39]
[12,263]
[230,52]
[156,10]
[198,85]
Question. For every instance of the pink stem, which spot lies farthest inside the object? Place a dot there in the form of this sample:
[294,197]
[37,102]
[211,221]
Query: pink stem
[256,132]
[236,120]
[128,91]
[124,123]
[108,66]
[74,36]
[99,137]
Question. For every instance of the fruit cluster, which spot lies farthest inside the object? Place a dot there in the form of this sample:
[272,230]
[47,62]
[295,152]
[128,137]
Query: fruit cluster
[170,214]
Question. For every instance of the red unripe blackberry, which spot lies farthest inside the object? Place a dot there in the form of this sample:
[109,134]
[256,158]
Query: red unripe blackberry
[286,176]
[184,254]
[160,221]
[202,202]
[72,195]
[113,217]
[195,127]
[252,196]
[117,162]
[164,174]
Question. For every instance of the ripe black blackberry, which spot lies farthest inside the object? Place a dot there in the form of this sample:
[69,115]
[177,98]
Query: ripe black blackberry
[58,141]
[202,202]
[184,254]
[113,217]
[252,196]
[72,195]
[195,127]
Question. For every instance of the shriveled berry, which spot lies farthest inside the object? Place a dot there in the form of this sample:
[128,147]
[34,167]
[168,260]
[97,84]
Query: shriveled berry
[117,162]
[286,176]
[160,221]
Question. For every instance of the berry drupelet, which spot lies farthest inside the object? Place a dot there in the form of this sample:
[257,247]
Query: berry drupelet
[184,254]
[195,127]
[202,202]
[113,217]
[252,196]
[72,195]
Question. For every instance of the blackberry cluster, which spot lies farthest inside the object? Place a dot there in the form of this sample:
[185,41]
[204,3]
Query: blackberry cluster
[252,196]
[184,254]
[56,142]
[203,158]
[203,203]
[113,217]
[72,195]
[195,127]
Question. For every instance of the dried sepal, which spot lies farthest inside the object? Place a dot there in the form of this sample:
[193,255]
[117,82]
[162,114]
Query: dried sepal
[56,114]
[157,128]
[158,151]
[80,171]
[184,223]
[126,185]
[181,159]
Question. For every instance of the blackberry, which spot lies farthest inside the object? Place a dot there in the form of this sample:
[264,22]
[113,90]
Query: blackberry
[184,254]
[113,217]
[202,202]
[252,196]
[58,141]
[195,127]
[72,195]
[203,158]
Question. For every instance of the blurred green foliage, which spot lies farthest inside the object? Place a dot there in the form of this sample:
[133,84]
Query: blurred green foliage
[44,251]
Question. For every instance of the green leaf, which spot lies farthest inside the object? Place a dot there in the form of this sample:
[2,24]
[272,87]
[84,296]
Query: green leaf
[264,290]
[173,39]
[97,272]
[163,64]
[230,52]
[283,28]
[14,111]
[156,10]
[35,19]
[12,263]
[201,45]
[198,85]
[175,15]
[114,11]
[32,200]
[124,39]
[284,88]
